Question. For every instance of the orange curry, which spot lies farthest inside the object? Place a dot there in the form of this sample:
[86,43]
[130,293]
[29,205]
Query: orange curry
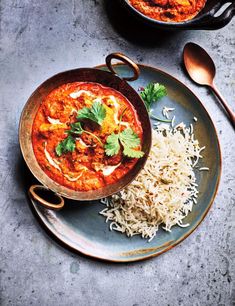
[169,10]
[82,164]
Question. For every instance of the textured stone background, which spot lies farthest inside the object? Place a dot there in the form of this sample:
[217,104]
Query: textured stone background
[39,38]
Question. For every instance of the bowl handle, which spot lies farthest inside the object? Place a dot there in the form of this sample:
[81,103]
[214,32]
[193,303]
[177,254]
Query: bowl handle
[41,201]
[125,59]
[211,22]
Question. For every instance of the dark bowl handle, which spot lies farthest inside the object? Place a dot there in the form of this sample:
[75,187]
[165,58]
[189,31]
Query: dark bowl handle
[125,59]
[210,22]
[41,201]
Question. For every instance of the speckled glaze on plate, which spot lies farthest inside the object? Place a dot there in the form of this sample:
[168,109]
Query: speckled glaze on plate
[79,226]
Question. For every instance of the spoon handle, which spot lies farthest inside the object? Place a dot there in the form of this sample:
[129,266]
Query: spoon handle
[231,114]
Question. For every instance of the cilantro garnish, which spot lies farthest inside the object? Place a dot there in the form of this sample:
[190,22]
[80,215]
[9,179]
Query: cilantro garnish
[112,145]
[65,146]
[151,94]
[76,128]
[68,144]
[95,113]
[128,139]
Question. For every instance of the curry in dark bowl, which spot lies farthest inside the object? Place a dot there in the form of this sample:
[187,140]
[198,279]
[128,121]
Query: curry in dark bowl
[182,14]
[169,10]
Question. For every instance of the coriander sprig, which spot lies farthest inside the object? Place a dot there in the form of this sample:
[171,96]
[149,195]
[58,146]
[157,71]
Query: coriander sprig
[159,119]
[95,113]
[128,139]
[76,128]
[65,146]
[68,144]
[151,94]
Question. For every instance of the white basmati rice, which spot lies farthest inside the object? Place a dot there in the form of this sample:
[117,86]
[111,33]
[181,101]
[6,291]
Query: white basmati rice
[173,122]
[166,110]
[165,190]
[204,169]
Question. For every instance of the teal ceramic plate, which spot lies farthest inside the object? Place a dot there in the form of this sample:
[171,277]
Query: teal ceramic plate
[80,227]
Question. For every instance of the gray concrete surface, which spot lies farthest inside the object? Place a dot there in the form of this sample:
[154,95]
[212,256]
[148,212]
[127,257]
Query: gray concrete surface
[40,38]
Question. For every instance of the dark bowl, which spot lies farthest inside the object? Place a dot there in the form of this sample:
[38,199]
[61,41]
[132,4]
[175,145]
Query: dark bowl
[207,19]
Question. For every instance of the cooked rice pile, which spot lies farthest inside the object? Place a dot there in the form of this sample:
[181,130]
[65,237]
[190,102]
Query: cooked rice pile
[165,190]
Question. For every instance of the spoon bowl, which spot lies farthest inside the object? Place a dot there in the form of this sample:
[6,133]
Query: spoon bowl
[199,64]
[201,69]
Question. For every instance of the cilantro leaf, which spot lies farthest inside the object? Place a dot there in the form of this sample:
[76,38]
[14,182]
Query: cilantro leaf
[85,113]
[76,128]
[69,143]
[129,138]
[129,152]
[66,145]
[96,113]
[99,111]
[112,145]
[152,93]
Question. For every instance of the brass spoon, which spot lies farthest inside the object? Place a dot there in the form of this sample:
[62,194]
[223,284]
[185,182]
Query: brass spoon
[201,69]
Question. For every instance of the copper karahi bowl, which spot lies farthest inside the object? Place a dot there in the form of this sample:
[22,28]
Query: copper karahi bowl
[105,78]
